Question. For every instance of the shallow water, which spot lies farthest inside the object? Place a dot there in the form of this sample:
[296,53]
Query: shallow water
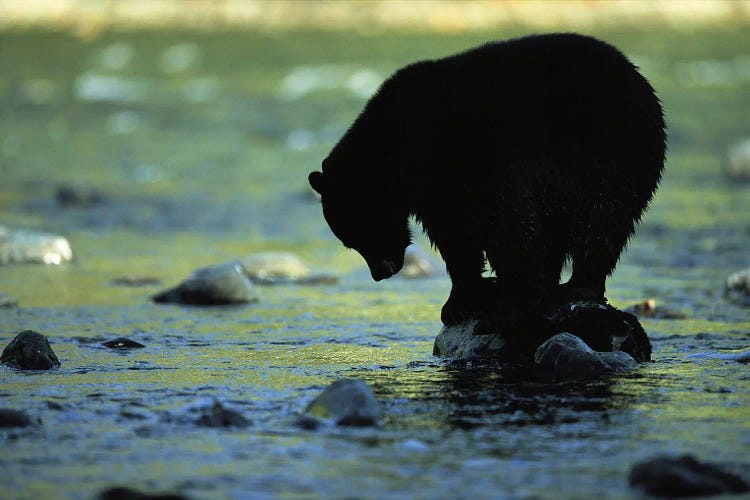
[200,144]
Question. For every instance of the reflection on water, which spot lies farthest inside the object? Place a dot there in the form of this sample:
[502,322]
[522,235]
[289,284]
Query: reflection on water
[198,147]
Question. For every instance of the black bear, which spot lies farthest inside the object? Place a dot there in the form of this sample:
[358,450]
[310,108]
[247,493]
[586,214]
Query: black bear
[521,153]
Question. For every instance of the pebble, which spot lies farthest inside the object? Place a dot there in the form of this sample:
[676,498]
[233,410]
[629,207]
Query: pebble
[737,288]
[218,285]
[32,247]
[346,402]
[684,477]
[29,350]
[649,309]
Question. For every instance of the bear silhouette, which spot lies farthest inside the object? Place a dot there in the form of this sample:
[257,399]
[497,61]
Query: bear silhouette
[522,154]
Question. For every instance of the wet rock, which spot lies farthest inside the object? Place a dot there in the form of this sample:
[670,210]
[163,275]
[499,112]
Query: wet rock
[135,281]
[568,355]
[273,268]
[73,195]
[418,264]
[32,247]
[737,163]
[684,477]
[517,338]
[29,350]
[218,416]
[7,301]
[737,288]
[219,285]
[124,493]
[14,418]
[348,402]
[648,309]
[738,357]
[123,343]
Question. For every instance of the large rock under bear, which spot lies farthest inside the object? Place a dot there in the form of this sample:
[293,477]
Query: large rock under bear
[521,154]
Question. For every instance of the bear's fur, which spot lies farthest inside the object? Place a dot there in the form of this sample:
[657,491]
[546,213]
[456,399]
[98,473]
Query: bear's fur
[525,153]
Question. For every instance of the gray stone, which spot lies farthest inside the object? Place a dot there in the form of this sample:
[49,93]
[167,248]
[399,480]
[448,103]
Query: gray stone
[273,268]
[738,357]
[418,264]
[124,493]
[7,301]
[29,350]
[76,195]
[737,288]
[568,355]
[460,341]
[219,285]
[684,477]
[737,163]
[344,402]
[123,343]
[32,247]
[218,416]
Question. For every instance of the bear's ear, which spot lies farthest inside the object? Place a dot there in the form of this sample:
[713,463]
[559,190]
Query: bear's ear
[317,181]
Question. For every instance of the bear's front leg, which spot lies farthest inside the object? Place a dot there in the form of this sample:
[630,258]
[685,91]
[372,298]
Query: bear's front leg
[470,293]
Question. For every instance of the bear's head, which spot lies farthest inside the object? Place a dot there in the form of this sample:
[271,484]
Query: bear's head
[365,219]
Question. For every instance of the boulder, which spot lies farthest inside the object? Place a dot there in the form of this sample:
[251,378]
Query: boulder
[348,402]
[273,268]
[14,418]
[568,355]
[32,247]
[29,350]
[123,343]
[684,477]
[218,416]
[218,285]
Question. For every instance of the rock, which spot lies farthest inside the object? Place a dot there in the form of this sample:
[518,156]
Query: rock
[32,247]
[218,416]
[737,164]
[136,281]
[219,285]
[418,264]
[7,301]
[29,351]
[124,493]
[648,309]
[122,343]
[568,355]
[344,402]
[73,195]
[14,418]
[517,338]
[737,288]
[461,342]
[684,477]
[273,268]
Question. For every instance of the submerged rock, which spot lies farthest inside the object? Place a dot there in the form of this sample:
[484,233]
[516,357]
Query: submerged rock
[124,493]
[74,195]
[739,357]
[684,477]
[601,327]
[648,309]
[344,402]
[737,288]
[122,343]
[136,281]
[32,247]
[418,264]
[218,416]
[219,285]
[14,418]
[29,350]
[737,164]
[566,354]
[273,268]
